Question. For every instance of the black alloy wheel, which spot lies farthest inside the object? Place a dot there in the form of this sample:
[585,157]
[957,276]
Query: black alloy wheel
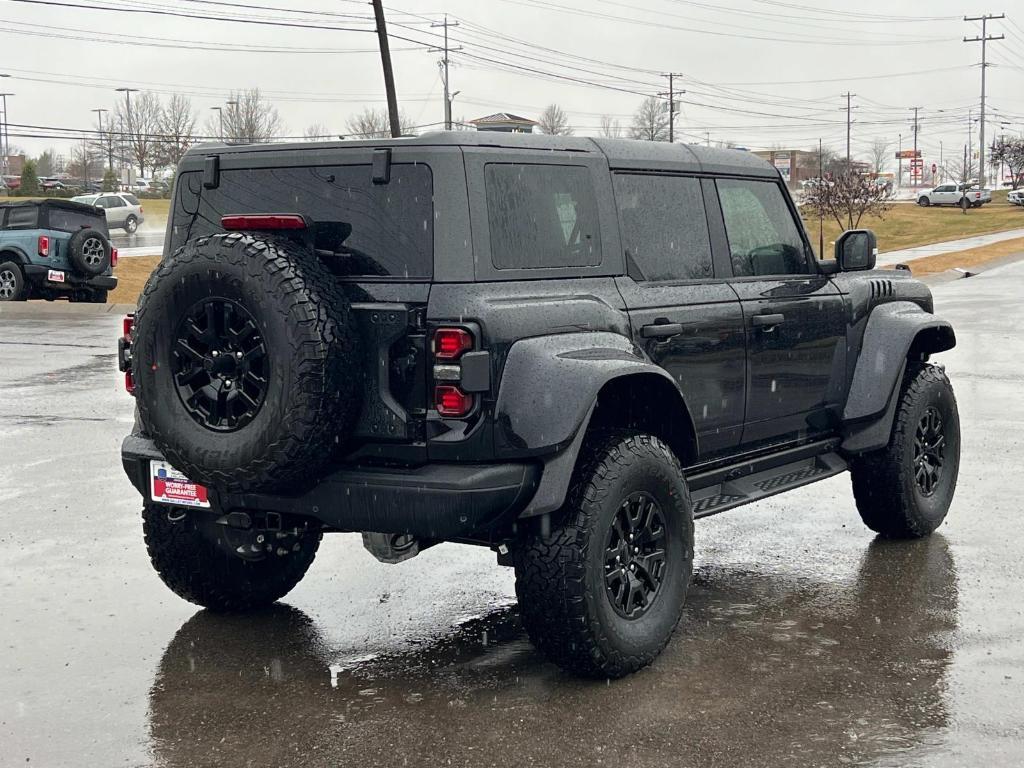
[929,448]
[221,365]
[635,555]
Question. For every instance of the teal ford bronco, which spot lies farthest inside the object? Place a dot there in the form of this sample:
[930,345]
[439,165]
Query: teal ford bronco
[55,248]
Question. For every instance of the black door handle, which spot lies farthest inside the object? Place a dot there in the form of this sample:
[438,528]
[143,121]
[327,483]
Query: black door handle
[661,330]
[768,322]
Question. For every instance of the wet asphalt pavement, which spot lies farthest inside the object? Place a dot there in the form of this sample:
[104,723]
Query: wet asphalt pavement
[805,641]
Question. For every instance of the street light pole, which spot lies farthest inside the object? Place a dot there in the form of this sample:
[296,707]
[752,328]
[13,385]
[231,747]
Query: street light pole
[128,116]
[220,115]
[5,144]
[108,140]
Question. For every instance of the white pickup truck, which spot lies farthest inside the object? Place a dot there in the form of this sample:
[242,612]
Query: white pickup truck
[953,194]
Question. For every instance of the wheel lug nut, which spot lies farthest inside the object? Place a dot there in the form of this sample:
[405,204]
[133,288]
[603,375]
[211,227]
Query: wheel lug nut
[214,353]
[238,355]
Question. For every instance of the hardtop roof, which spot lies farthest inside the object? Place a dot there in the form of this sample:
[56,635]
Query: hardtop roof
[54,203]
[621,153]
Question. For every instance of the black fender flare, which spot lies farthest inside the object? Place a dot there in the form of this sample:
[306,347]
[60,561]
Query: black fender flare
[13,253]
[549,388]
[895,333]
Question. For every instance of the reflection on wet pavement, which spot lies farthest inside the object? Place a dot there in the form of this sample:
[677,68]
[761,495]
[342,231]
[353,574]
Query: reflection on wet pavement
[765,670]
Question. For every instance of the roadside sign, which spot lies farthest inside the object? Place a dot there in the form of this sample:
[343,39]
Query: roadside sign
[908,154]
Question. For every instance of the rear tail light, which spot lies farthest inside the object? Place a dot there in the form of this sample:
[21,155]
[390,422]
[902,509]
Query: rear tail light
[266,221]
[113,257]
[124,353]
[44,245]
[450,401]
[140,209]
[450,343]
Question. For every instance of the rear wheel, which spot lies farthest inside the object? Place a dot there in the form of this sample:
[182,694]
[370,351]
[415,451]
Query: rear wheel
[131,224]
[904,490]
[222,568]
[601,594]
[12,282]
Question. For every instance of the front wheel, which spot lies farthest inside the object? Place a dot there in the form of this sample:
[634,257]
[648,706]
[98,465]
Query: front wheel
[904,490]
[602,592]
[222,568]
[923,201]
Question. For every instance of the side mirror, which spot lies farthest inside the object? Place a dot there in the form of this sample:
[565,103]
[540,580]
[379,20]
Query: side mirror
[856,249]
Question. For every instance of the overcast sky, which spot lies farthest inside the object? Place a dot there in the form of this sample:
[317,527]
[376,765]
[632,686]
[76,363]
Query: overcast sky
[758,73]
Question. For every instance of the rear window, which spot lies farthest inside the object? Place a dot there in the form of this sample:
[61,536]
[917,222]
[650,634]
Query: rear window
[541,216]
[71,221]
[373,230]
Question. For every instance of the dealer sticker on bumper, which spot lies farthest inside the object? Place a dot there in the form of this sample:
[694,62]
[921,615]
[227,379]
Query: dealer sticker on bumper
[169,486]
[55,276]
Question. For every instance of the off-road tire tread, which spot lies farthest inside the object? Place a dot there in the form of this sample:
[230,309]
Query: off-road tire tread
[550,579]
[321,408]
[196,569]
[879,477]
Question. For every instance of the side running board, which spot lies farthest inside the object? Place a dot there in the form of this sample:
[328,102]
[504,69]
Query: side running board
[717,490]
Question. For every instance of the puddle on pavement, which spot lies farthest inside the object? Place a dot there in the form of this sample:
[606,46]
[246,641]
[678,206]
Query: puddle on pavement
[766,669]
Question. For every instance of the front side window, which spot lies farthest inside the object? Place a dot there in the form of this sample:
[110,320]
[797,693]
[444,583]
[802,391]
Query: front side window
[763,236]
[664,226]
[542,216]
[363,229]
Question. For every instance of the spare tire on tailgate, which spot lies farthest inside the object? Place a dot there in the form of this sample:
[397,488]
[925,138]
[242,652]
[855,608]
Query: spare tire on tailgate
[89,251]
[244,360]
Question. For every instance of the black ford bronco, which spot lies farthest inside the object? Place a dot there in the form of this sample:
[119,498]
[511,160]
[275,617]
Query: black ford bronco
[564,349]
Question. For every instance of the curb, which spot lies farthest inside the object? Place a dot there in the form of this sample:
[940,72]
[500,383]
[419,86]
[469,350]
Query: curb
[30,309]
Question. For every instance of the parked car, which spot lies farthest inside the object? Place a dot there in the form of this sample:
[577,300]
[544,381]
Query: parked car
[499,340]
[954,194]
[55,248]
[1015,197]
[12,182]
[123,209]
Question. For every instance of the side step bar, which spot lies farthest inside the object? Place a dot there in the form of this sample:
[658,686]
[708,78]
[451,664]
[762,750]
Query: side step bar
[721,489]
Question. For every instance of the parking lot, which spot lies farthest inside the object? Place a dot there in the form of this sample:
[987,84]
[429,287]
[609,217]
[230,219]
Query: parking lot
[805,641]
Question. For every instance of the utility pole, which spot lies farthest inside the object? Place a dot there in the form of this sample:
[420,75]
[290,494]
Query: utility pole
[985,37]
[672,93]
[914,162]
[128,119]
[448,96]
[107,140]
[389,74]
[821,212]
[220,117]
[848,95]
[5,140]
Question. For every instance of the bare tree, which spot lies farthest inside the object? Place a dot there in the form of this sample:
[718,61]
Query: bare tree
[650,122]
[140,127]
[830,162]
[1010,152]
[610,128]
[554,122]
[248,119]
[374,124]
[880,153]
[177,129]
[846,198]
[106,139]
[316,132]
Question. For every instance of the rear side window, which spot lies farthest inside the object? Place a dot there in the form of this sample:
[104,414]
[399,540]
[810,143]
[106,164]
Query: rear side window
[541,216]
[22,218]
[366,229]
[664,226]
[132,199]
[763,237]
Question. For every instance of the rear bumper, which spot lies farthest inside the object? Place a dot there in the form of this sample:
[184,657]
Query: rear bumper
[434,501]
[39,274]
